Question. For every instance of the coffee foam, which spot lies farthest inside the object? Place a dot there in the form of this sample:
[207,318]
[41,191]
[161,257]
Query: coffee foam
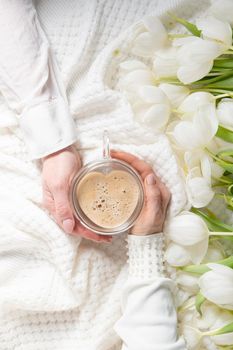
[108,200]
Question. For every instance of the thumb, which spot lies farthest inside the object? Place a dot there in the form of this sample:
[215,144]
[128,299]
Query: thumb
[63,210]
[153,194]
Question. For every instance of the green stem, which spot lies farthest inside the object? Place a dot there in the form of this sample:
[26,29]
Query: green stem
[220,96]
[220,233]
[177,36]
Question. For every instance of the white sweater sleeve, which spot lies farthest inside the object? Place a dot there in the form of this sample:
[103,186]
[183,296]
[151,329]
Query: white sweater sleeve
[149,319]
[30,80]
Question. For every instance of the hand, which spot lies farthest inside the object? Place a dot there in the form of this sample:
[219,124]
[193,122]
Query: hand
[58,170]
[157,196]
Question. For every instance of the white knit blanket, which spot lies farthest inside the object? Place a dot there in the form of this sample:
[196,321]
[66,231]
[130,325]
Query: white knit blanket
[58,291]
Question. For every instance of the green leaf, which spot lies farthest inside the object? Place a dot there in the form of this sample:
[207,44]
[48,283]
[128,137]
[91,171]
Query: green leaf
[192,28]
[196,269]
[203,268]
[229,200]
[213,224]
[224,330]
[225,153]
[225,165]
[225,134]
[230,189]
[199,301]
[223,63]
[223,84]
[225,79]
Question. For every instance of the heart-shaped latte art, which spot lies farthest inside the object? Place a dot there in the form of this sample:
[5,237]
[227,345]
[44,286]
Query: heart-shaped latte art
[108,200]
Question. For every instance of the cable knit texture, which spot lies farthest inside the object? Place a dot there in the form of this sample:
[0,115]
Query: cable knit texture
[58,291]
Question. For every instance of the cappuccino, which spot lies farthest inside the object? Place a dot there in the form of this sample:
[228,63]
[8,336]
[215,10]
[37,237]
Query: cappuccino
[108,200]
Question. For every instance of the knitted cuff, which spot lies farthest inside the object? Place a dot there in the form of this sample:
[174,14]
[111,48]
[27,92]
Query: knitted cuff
[47,127]
[146,255]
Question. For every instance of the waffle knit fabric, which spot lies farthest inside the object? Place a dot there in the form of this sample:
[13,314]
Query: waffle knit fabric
[58,291]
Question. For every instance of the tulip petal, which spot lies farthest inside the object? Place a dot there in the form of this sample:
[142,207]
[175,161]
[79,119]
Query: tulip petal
[223,10]
[225,112]
[199,191]
[193,72]
[152,94]
[206,121]
[176,94]
[135,78]
[157,116]
[198,52]
[186,135]
[221,269]
[188,281]
[192,337]
[144,45]
[214,29]
[209,283]
[131,65]
[165,63]
[187,229]
[198,251]
[196,100]
[155,26]
[177,255]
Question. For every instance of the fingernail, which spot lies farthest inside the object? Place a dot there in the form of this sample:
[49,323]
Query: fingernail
[150,179]
[68,225]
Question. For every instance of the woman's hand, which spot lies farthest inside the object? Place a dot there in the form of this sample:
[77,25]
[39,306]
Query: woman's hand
[58,170]
[157,196]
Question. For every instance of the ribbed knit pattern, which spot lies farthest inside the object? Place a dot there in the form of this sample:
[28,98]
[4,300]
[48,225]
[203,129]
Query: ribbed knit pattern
[56,291]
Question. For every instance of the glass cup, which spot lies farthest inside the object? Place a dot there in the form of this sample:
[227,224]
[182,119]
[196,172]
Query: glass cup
[104,167]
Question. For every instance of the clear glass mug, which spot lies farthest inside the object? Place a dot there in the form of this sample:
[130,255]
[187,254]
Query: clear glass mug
[104,167]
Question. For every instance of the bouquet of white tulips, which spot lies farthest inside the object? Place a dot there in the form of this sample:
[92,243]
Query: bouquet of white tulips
[182,85]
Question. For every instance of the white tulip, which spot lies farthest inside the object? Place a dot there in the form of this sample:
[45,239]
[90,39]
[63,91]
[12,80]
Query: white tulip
[176,255]
[217,285]
[214,253]
[214,318]
[210,313]
[136,78]
[223,319]
[194,101]
[153,37]
[152,107]
[199,191]
[165,62]
[198,179]
[223,10]
[188,282]
[214,29]
[189,231]
[176,94]
[225,112]
[198,159]
[196,59]
[196,134]
[131,65]
[192,336]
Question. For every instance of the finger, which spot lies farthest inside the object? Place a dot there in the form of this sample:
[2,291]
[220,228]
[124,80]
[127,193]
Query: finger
[153,194]
[166,195]
[47,200]
[84,232]
[63,209]
[142,167]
